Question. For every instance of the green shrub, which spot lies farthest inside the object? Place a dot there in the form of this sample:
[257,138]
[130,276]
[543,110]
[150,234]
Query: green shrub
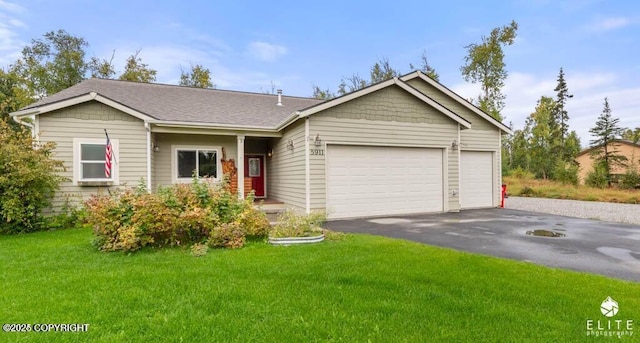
[527,192]
[182,214]
[630,179]
[293,224]
[199,249]
[28,180]
[520,173]
[566,173]
[598,177]
[70,216]
[227,235]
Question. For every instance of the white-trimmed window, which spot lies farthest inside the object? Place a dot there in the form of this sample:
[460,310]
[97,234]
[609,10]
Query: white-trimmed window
[89,161]
[201,161]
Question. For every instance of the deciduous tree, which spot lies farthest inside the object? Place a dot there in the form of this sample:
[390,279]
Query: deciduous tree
[199,77]
[632,135]
[484,64]
[13,96]
[322,94]
[425,67]
[102,68]
[52,63]
[135,70]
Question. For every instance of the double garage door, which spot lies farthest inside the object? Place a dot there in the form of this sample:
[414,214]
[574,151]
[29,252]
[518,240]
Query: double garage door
[367,181]
[371,181]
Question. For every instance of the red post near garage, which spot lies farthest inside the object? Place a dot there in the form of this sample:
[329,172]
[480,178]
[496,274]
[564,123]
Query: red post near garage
[504,195]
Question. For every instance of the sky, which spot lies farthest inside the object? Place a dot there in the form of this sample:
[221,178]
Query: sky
[292,45]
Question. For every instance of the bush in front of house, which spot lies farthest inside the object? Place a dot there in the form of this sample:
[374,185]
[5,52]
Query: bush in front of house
[598,177]
[179,215]
[293,224]
[28,180]
[630,179]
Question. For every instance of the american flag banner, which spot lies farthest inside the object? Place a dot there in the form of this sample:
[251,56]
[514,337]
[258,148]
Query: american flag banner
[108,151]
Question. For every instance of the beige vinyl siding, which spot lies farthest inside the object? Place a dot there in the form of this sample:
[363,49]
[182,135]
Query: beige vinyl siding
[166,140]
[88,120]
[483,135]
[286,168]
[389,117]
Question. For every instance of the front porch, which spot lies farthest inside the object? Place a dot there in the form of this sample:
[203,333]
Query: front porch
[243,160]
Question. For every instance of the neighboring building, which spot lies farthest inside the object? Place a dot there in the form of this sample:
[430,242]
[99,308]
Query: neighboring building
[405,145]
[625,148]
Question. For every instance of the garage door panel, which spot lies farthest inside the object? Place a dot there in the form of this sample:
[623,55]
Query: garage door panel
[476,182]
[370,181]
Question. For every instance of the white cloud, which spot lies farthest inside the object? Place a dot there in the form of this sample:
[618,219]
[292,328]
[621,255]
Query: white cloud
[523,90]
[10,7]
[10,43]
[608,24]
[266,51]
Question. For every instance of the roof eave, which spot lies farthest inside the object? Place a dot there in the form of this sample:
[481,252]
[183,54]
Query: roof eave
[76,100]
[183,124]
[504,128]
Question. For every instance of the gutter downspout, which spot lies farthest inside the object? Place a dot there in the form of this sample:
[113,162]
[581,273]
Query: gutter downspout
[17,120]
[147,126]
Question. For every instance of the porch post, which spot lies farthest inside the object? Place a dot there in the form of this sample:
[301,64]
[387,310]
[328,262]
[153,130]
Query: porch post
[240,164]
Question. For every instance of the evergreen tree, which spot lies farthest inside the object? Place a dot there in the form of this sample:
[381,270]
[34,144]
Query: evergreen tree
[606,131]
[560,112]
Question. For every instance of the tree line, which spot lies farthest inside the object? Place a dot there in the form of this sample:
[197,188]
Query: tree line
[59,60]
[544,147]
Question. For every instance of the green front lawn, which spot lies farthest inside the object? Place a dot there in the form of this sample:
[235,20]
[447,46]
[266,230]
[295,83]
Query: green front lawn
[354,290]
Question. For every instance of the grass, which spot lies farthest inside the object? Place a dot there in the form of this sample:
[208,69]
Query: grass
[557,190]
[361,288]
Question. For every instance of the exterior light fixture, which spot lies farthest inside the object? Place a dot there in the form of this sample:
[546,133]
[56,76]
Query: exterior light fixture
[317,141]
[290,144]
[454,144]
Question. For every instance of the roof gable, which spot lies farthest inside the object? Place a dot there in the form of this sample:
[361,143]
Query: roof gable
[456,97]
[159,103]
[378,86]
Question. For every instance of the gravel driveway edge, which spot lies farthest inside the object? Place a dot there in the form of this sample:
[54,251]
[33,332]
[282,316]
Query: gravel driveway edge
[605,211]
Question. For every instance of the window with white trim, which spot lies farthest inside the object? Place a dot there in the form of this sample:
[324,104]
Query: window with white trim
[189,161]
[89,161]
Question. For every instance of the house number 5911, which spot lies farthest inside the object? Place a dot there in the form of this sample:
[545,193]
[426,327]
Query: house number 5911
[317,151]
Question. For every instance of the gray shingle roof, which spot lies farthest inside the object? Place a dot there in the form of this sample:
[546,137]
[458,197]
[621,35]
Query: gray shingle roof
[187,104]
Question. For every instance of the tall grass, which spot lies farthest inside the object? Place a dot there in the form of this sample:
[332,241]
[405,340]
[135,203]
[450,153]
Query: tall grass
[526,186]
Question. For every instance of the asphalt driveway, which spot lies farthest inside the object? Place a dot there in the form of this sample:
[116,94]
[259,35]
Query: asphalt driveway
[597,247]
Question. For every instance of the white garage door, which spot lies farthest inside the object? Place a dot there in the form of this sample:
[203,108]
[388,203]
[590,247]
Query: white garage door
[371,181]
[476,186]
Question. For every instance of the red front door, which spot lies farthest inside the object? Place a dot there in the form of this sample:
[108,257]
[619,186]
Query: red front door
[254,168]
